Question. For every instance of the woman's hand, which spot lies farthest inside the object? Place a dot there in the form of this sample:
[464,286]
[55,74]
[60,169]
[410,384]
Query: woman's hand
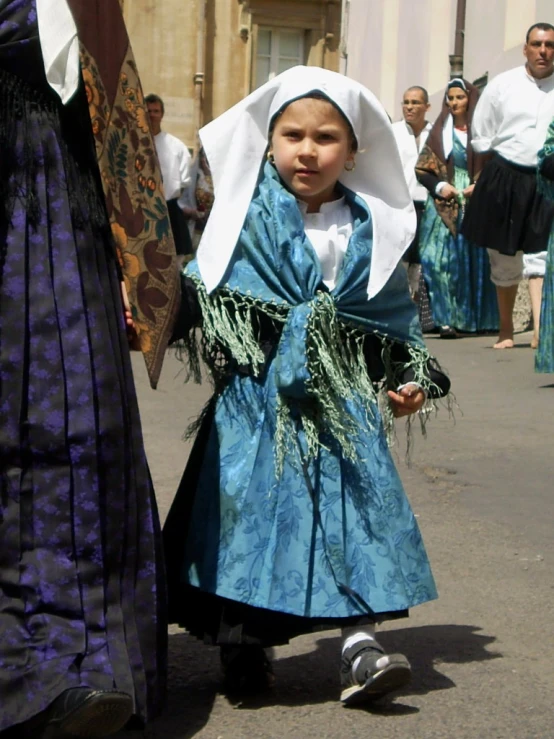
[409,400]
[128,317]
[448,192]
[193,214]
[468,192]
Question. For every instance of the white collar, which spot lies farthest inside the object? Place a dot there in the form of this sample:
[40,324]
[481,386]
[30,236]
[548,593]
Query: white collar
[329,207]
[427,127]
[536,80]
[60,46]
[235,144]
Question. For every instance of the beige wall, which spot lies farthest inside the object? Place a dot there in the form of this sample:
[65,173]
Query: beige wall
[164,43]
[387,46]
[391,44]
[501,49]
[174,40]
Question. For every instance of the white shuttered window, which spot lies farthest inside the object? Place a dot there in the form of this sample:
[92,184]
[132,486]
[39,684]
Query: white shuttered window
[278,49]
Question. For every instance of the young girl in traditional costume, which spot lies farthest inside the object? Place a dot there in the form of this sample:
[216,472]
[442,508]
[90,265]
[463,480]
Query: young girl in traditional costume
[456,272]
[291,516]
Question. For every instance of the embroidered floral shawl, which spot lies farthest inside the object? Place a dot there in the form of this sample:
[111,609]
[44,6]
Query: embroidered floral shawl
[130,175]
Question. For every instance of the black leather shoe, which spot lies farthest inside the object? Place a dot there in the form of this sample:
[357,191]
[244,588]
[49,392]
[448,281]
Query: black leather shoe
[447,332]
[82,712]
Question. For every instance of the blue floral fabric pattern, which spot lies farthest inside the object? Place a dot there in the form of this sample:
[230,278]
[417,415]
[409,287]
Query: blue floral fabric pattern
[326,536]
[456,272]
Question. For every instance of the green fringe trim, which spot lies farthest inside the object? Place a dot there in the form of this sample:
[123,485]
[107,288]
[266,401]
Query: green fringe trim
[338,374]
[227,326]
[335,361]
[227,321]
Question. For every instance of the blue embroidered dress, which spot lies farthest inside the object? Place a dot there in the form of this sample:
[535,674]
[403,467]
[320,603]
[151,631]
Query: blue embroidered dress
[296,509]
[456,272]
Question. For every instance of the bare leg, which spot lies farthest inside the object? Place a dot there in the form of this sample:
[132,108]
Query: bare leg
[535,293]
[506,300]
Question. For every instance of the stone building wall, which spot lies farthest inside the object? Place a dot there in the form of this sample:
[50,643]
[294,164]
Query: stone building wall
[390,45]
[199,55]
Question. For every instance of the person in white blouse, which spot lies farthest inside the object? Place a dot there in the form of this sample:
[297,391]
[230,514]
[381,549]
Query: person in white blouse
[175,163]
[411,135]
[506,213]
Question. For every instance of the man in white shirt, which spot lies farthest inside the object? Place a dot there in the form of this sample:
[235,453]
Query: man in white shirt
[175,161]
[506,214]
[411,134]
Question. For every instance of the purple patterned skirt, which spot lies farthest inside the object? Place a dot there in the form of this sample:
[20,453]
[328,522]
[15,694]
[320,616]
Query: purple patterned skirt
[82,596]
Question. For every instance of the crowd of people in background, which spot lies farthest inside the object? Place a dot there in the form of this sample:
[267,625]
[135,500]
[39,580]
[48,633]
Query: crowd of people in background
[478,163]
[474,243]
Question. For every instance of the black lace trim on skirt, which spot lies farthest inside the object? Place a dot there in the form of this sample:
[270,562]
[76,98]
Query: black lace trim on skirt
[22,105]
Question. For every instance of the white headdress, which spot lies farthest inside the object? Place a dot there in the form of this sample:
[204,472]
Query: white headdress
[60,46]
[448,127]
[235,144]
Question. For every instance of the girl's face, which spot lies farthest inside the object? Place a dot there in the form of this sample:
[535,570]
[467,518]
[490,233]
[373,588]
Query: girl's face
[457,100]
[311,143]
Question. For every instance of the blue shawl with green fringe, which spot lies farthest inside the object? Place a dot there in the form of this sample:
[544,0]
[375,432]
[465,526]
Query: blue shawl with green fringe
[297,505]
[319,364]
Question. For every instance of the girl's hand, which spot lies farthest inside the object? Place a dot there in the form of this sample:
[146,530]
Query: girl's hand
[128,317]
[409,400]
[448,192]
[468,192]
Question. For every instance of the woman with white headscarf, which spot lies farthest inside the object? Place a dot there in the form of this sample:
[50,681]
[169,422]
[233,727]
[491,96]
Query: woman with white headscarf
[294,514]
[82,595]
[456,272]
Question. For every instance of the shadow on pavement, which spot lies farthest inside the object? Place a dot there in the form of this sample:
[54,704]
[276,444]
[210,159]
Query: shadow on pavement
[311,678]
[428,647]
[314,677]
[193,683]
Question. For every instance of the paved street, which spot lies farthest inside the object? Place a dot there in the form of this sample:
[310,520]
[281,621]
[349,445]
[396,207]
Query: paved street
[483,655]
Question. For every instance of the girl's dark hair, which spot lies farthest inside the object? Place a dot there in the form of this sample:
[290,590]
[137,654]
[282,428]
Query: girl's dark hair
[315,95]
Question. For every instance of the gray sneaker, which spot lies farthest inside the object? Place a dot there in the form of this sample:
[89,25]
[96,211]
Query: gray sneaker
[368,681]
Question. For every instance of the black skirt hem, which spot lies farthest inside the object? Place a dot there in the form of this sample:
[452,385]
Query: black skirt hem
[506,213]
[220,621]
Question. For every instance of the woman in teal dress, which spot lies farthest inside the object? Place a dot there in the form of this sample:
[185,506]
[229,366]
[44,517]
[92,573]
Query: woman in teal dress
[544,358]
[457,273]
